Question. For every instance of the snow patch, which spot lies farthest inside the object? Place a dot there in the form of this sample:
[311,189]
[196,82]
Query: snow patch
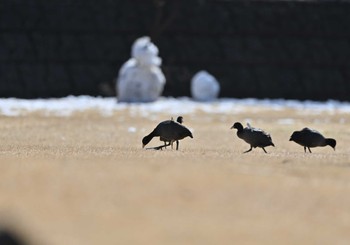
[173,106]
[132,130]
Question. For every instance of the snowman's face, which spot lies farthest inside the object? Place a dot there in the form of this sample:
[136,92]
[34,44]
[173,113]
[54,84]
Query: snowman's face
[144,47]
[150,48]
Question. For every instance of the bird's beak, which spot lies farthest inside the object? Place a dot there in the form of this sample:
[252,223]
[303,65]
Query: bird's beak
[290,139]
[143,145]
[231,127]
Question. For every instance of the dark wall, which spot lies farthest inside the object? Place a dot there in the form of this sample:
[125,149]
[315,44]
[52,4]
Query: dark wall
[274,49]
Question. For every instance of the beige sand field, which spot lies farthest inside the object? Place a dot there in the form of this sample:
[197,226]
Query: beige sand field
[85,179]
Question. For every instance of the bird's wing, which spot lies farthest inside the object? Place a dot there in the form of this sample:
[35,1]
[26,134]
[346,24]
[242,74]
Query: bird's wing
[261,137]
[314,138]
[309,130]
[257,130]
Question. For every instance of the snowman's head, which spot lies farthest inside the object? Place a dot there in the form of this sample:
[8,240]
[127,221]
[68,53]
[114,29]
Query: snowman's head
[145,52]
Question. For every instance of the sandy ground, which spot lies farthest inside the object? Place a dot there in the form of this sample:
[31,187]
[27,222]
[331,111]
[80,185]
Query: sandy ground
[85,179]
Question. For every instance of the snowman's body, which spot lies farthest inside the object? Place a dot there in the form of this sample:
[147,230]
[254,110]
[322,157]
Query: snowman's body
[140,78]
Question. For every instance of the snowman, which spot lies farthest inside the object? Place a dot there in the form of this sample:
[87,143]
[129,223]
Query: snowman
[140,78]
[204,87]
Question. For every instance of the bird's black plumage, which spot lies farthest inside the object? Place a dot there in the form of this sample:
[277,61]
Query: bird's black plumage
[179,120]
[253,136]
[311,138]
[168,130]
[8,237]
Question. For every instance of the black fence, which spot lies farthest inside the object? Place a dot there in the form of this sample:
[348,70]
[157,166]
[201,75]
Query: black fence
[262,49]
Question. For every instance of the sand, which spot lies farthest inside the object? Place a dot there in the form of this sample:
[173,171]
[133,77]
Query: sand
[85,179]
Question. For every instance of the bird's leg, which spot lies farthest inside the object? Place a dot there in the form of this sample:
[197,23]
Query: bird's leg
[172,142]
[305,149]
[264,149]
[158,147]
[251,148]
[177,145]
[309,150]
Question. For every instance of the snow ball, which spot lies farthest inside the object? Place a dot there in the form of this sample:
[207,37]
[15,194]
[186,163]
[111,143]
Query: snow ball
[204,87]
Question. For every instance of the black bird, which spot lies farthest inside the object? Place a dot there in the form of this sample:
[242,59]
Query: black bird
[179,120]
[253,136]
[8,237]
[311,138]
[170,131]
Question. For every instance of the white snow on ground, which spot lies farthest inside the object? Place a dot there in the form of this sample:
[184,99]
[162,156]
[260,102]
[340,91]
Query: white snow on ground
[174,106]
